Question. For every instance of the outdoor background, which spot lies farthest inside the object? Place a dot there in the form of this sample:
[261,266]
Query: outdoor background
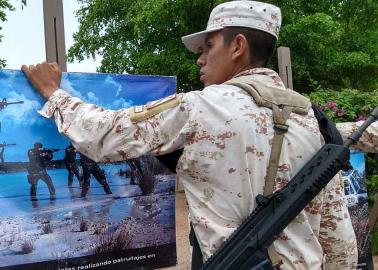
[333,47]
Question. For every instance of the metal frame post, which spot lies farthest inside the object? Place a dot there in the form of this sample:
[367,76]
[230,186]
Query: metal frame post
[284,66]
[54,33]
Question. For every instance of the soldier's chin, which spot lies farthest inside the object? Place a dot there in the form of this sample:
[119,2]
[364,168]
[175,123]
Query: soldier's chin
[203,80]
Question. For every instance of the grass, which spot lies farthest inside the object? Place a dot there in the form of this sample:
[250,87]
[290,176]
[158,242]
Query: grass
[47,228]
[83,225]
[113,239]
[27,246]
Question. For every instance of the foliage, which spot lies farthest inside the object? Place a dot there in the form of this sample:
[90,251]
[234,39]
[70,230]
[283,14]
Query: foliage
[140,36]
[5,6]
[47,228]
[83,225]
[144,36]
[345,105]
[27,246]
[115,239]
[374,241]
[333,43]
[352,105]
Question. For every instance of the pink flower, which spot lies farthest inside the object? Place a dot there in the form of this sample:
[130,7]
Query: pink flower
[341,112]
[334,109]
[322,108]
[331,104]
[360,118]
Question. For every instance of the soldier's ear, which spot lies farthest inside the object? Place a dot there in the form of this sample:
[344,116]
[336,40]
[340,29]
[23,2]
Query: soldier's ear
[240,47]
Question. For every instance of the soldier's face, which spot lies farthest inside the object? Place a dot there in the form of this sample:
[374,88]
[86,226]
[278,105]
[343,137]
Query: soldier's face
[215,61]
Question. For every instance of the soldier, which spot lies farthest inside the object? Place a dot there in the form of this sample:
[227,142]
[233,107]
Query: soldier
[135,170]
[3,104]
[2,148]
[226,135]
[71,165]
[38,159]
[91,167]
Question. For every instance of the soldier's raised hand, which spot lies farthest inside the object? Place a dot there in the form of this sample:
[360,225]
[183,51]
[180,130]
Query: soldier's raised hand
[44,77]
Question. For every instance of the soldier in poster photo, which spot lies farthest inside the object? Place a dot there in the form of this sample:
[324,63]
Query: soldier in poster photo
[37,170]
[71,165]
[91,167]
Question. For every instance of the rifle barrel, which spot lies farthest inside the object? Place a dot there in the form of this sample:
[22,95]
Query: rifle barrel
[7,144]
[15,102]
[355,136]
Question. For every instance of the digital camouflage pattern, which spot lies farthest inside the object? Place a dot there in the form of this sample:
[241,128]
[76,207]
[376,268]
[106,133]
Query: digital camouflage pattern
[227,143]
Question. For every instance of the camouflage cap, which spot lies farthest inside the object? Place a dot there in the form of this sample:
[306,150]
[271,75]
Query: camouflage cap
[250,14]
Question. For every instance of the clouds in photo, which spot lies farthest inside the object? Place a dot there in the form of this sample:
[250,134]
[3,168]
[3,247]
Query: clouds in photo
[121,103]
[66,86]
[20,114]
[91,97]
[112,84]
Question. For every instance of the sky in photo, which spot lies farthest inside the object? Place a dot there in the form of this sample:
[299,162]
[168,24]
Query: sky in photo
[22,125]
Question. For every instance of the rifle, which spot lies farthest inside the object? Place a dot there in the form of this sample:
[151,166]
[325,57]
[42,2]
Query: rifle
[246,248]
[10,103]
[4,103]
[7,144]
[55,149]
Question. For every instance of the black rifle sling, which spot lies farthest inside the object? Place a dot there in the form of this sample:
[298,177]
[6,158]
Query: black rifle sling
[327,128]
[170,160]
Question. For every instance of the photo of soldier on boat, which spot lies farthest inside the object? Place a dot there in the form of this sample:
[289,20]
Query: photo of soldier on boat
[59,206]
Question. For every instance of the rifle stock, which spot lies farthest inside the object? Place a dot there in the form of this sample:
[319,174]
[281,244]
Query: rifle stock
[246,248]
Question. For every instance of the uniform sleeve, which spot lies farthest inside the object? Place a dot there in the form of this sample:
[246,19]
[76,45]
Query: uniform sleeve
[336,233]
[108,135]
[369,140]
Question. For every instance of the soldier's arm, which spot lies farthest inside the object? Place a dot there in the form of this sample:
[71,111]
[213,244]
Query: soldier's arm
[336,234]
[368,142]
[107,135]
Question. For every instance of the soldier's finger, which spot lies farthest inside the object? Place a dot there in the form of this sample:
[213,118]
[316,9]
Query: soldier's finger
[24,68]
[54,66]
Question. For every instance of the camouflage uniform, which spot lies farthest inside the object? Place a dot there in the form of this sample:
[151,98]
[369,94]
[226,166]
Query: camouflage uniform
[38,159]
[226,140]
[91,167]
[71,165]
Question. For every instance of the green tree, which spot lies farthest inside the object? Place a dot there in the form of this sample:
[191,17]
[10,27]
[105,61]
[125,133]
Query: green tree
[333,43]
[141,36]
[5,6]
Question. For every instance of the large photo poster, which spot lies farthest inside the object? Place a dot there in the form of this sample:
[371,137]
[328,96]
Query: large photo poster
[61,210]
[356,199]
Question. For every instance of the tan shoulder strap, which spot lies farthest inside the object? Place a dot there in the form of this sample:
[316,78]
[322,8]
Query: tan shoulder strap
[280,128]
[265,95]
[282,102]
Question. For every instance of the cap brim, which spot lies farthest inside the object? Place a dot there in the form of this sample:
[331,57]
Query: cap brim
[197,40]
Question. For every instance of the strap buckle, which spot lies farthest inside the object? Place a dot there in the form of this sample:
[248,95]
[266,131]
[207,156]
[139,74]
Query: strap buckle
[281,127]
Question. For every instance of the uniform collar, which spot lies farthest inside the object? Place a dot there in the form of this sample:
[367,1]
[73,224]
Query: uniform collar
[265,75]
